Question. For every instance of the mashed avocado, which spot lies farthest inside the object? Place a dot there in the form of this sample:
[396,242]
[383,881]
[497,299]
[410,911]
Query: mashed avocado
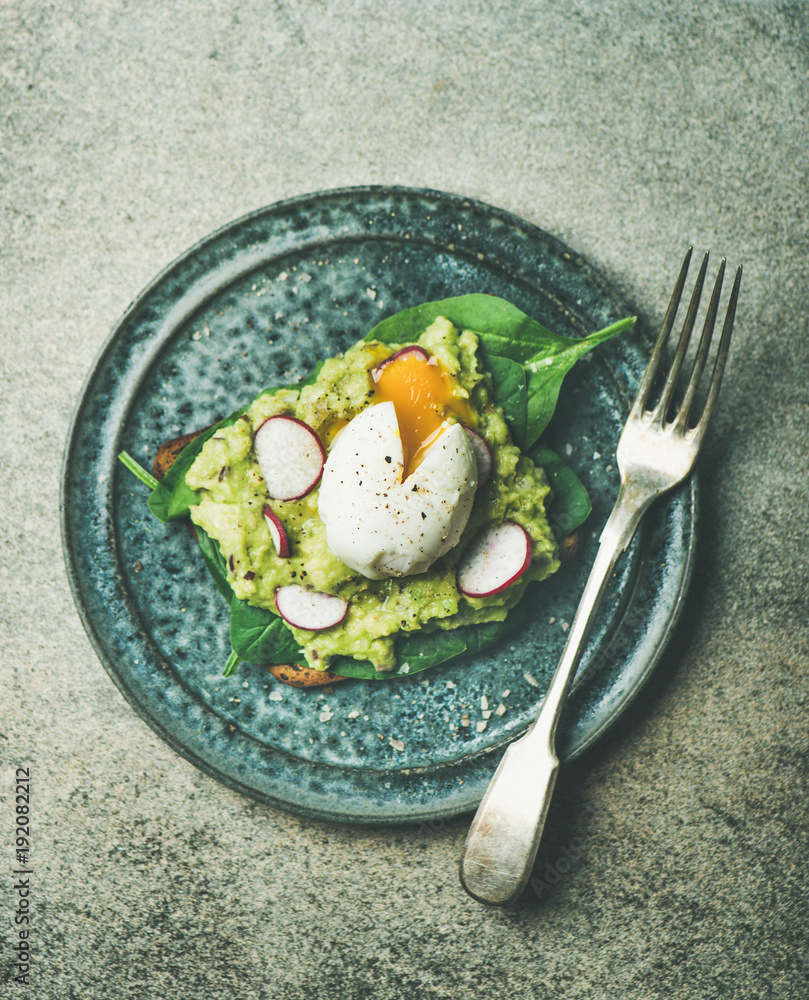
[233,496]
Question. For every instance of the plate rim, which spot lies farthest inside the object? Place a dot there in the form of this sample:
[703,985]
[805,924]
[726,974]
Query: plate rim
[603,288]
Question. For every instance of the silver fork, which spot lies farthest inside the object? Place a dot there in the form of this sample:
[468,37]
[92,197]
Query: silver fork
[655,453]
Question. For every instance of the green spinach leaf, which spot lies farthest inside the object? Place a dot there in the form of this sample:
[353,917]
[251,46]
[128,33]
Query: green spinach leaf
[570,506]
[259,636]
[467,312]
[545,359]
[510,392]
[215,562]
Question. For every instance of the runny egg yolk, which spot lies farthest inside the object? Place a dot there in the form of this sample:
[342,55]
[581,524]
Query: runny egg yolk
[424,395]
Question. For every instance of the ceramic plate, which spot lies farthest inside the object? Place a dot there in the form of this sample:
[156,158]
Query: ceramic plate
[257,303]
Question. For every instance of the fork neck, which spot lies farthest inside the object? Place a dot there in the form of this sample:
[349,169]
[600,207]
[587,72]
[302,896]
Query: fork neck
[632,502]
[630,506]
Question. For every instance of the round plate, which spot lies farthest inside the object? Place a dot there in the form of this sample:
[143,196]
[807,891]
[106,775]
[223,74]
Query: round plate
[258,303]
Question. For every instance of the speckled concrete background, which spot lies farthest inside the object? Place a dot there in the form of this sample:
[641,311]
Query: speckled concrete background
[675,854]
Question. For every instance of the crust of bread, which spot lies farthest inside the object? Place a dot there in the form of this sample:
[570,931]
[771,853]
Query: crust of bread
[568,547]
[168,451]
[303,677]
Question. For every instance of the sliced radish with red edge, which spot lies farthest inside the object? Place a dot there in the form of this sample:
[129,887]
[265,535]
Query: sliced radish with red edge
[309,609]
[412,349]
[483,455]
[291,457]
[496,558]
[279,535]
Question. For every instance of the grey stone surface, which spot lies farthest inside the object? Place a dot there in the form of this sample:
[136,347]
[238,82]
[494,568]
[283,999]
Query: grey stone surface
[628,129]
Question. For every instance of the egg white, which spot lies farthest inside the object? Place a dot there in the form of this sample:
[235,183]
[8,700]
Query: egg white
[379,525]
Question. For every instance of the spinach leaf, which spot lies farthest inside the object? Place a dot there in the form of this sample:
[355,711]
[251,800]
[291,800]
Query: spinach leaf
[546,374]
[570,506]
[215,562]
[259,636]
[467,312]
[510,392]
[545,359]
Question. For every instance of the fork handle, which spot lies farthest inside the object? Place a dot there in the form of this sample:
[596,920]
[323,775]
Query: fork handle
[502,842]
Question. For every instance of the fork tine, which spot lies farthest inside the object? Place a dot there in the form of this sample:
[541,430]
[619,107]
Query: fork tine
[663,405]
[681,421]
[652,367]
[721,359]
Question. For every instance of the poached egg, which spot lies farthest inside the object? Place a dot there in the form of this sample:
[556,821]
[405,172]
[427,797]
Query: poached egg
[400,479]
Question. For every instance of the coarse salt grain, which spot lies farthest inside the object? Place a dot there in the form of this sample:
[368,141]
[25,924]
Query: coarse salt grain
[396,744]
[500,710]
[481,726]
[484,702]
[276,696]
[531,680]
[487,714]
[354,715]
[326,714]
[465,720]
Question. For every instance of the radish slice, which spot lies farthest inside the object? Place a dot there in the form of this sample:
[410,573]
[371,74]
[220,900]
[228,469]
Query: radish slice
[413,349]
[279,535]
[483,455]
[495,560]
[309,609]
[290,455]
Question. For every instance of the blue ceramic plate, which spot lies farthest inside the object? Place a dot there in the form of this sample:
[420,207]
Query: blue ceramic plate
[257,303]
